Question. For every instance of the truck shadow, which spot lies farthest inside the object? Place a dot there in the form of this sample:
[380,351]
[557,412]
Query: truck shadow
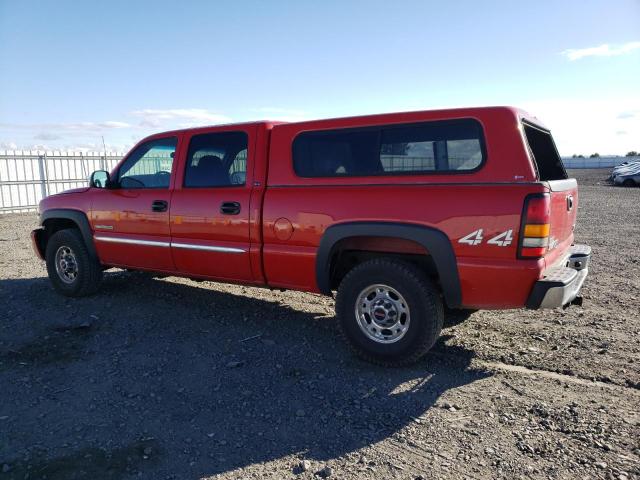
[215,380]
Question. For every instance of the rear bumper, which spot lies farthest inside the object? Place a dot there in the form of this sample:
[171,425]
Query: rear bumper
[561,284]
[37,242]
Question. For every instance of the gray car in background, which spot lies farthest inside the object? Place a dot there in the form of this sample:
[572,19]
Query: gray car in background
[627,176]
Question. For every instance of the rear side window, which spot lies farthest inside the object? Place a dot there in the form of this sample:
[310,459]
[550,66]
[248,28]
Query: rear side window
[429,147]
[217,160]
[544,153]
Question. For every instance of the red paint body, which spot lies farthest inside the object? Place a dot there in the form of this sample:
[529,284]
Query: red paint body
[274,199]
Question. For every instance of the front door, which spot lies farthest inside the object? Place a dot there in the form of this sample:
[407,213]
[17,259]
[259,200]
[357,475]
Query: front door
[131,220]
[210,208]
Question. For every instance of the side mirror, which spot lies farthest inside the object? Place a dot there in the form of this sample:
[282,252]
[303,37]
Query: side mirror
[100,179]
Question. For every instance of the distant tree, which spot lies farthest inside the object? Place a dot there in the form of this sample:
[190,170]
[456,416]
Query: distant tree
[632,153]
[574,156]
[594,155]
[580,156]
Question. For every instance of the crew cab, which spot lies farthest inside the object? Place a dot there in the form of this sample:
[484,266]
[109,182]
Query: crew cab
[407,216]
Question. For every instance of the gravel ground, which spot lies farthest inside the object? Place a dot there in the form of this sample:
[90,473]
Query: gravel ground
[176,379]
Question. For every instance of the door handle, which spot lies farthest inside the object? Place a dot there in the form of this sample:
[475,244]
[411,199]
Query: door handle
[159,205]
[230,208]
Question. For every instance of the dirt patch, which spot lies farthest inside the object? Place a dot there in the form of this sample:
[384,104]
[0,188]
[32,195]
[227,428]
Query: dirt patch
[62,344]
[88,464]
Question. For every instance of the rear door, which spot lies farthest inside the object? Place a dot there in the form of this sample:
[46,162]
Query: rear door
[210,215]
[563,190]
[131,220]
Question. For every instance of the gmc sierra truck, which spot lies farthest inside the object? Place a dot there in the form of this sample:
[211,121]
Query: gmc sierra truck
[406,215]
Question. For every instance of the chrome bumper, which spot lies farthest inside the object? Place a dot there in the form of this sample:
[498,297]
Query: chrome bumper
[561,284]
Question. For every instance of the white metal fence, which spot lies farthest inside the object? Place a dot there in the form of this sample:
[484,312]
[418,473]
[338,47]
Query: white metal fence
[598,162]
[28,176]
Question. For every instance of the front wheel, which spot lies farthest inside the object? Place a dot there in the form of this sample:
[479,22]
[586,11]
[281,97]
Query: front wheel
[389,312]
[629,183]
[71,269]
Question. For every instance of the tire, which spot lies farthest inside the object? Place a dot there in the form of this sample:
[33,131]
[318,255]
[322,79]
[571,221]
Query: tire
[65,249]
[628,183]
[360,313]
[456,316]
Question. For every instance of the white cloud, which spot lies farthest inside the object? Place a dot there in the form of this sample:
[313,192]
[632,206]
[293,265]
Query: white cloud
[628,114]
[67,127]
[112,124]
[38,146]
[181,117]
[282,114]
[278,110]
[8,146]
[46,136]
[86,136]
[94,147]
[70,136]
[92,126]
[604,50]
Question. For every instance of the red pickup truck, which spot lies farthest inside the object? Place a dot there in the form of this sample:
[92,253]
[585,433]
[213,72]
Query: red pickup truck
[406,215]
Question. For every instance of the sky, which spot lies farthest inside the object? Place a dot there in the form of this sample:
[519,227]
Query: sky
[72,73]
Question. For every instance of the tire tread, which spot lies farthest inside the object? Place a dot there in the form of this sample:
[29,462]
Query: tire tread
[435,310]
[90,279]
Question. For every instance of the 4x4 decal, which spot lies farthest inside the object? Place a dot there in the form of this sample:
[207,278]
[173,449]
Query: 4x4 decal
[503,239]
[474,238]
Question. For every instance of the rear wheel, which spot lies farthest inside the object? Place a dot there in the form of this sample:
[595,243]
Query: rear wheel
[71,270]
[629,183]
[389,312]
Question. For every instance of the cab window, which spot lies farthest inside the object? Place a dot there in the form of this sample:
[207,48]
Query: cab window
[149,165]
[216,160]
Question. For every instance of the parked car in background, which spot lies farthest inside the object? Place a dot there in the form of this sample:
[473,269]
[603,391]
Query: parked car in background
[404,215]
[623,167]
[626,174]
[629,176]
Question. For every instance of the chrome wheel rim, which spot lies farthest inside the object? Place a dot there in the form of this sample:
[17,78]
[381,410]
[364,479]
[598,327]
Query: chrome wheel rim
[66,264]
[382,313]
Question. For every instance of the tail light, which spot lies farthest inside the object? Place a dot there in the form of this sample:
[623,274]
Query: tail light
[534,233]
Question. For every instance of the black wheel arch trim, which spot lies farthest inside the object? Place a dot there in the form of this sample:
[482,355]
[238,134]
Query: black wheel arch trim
[433,240]
[79,218]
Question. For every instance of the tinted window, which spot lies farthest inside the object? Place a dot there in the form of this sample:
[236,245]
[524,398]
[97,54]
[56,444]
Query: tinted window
[420,148]
[217,160]
[545,154]
[149,165]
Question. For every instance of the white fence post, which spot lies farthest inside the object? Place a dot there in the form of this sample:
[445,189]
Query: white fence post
[43,177]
